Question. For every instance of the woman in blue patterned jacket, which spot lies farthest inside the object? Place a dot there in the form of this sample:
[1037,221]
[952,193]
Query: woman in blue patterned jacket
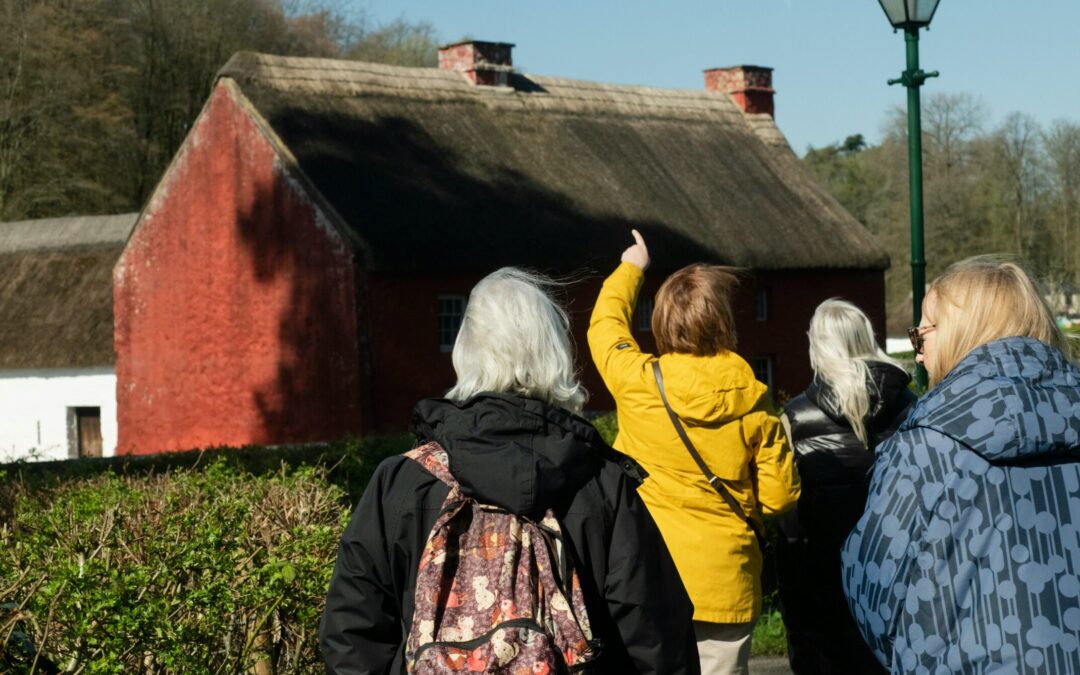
[967,556]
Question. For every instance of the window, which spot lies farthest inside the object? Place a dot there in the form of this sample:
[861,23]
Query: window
[85,425]
[761,304]
[451,312]
[644,314]
[763,370]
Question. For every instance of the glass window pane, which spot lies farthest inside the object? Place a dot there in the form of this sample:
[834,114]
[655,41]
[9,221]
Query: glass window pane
[761,304]
[763,370]
[451,312]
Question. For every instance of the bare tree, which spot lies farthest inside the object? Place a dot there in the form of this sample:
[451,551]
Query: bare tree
[96,96]
[1062,145]
[59,113]
[1017,166]
[399,42]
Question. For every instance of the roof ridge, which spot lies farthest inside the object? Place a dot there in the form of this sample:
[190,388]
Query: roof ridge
[66,233]
[337,77]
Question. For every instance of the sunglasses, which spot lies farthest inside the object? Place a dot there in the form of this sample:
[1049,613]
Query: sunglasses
[915,334]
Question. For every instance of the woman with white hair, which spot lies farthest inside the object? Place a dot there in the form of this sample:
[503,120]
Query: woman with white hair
[858,397]
[514,440]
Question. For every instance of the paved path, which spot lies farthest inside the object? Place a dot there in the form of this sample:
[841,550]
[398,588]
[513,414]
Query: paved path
[769,665]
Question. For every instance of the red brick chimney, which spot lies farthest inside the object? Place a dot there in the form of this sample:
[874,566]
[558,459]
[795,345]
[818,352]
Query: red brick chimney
[750,86]
[484,63]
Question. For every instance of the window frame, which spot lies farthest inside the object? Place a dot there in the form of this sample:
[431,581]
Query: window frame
[761,303]
[770,369]
[441,314]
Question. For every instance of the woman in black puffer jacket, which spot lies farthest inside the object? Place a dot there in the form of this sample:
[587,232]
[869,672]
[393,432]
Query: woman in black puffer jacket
[858,398]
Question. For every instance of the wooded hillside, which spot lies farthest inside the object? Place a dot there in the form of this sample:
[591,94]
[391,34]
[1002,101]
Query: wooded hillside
[97,95]
[1011,188]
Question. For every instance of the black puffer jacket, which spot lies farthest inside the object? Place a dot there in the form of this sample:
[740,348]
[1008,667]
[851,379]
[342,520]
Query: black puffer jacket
[525,456]
[834,467]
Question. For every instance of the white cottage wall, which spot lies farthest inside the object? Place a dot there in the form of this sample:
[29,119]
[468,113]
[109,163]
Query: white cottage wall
[34,411]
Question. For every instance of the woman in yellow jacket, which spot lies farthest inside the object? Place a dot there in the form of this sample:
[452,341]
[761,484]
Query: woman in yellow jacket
[728,417]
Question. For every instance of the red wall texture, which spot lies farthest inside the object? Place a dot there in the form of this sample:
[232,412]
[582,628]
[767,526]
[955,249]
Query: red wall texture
[408,365]
[235,305]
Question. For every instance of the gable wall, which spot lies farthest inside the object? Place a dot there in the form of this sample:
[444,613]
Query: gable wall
[235,317]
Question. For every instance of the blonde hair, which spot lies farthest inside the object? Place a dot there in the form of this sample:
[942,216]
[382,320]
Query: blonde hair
[692,313]
[985,298]
[515,339]
[841,341]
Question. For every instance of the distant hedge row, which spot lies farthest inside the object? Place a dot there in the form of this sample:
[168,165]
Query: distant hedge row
[211,562]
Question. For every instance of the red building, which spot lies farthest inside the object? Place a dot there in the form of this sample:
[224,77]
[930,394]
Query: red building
[300,270]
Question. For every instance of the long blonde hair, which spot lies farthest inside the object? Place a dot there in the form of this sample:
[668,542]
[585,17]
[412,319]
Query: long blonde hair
[985,298]
[841,341]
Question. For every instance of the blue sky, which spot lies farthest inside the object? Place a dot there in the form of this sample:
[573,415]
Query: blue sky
[831,57]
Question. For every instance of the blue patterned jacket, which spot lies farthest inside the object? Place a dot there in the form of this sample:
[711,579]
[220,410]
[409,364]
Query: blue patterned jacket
[967,556]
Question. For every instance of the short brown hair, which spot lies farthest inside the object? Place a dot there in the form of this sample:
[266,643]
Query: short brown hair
[985,298]
[693,311]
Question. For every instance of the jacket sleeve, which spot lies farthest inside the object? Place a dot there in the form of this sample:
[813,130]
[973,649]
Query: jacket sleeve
[361,627]
[777,482]
[645,594]
[875,560]
[614,351]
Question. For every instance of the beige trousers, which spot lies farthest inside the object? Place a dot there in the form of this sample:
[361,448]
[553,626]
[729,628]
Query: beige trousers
[724,648]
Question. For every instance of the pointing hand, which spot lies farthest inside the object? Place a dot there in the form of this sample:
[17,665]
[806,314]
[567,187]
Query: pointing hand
[638,254]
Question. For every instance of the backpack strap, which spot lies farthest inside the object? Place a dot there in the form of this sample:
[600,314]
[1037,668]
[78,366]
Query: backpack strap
[436,461]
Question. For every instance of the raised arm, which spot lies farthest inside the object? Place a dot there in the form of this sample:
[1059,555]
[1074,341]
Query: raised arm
[614,350]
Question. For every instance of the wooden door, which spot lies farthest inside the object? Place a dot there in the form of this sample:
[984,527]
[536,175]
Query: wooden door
[88,421]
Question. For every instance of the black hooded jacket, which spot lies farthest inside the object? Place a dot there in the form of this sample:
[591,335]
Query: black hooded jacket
[525,456]
[834,467]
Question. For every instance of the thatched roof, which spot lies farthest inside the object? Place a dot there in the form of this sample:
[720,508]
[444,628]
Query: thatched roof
[56,291]
[426,170]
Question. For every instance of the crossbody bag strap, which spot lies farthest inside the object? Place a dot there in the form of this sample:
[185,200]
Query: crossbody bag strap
[715,481]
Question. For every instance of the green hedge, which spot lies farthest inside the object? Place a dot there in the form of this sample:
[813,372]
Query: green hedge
[213,561]
[206,562]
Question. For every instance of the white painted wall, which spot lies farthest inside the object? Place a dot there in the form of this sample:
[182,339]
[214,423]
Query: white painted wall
[34,410]
[894,345]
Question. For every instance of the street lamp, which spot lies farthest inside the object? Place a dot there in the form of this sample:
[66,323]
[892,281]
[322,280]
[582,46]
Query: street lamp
[911,15]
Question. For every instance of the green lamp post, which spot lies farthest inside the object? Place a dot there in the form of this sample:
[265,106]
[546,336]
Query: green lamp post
[911,15]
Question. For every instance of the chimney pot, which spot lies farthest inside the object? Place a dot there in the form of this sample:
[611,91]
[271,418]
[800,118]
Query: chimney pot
[483,63]
[749,86]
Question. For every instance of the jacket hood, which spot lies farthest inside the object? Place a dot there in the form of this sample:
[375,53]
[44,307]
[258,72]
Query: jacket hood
[517,453]
[1013,401]
[887,385]
[710,390]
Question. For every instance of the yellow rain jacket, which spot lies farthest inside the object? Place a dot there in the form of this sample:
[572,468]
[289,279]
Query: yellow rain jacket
[731,421]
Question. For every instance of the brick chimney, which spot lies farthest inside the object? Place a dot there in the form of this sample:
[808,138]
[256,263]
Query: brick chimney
[484,63]
[749,86]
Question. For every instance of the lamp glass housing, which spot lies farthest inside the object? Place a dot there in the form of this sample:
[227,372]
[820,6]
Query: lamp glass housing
[909,13]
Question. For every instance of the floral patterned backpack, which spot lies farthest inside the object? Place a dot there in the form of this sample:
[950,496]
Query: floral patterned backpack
[495,592]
